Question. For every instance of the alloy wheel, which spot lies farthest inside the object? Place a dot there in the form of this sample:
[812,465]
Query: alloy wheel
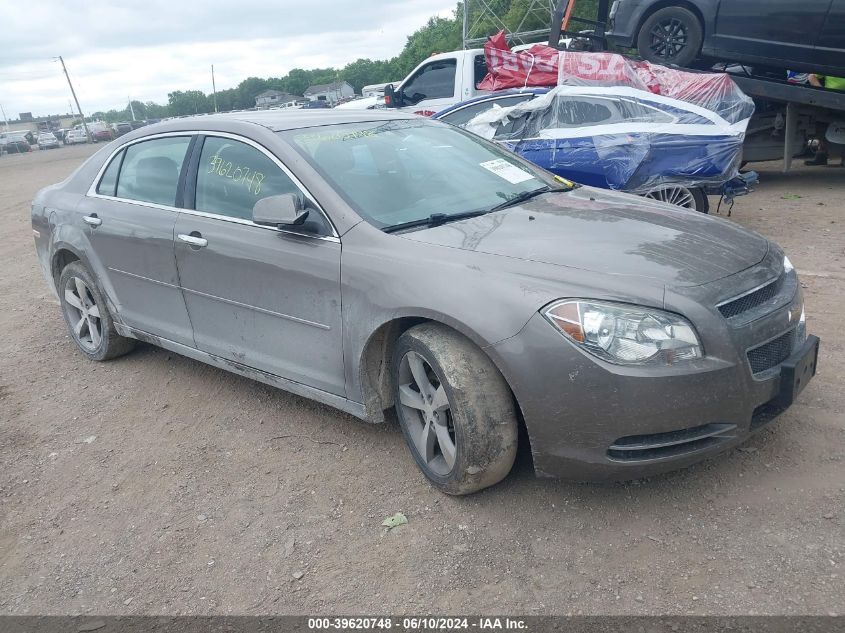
[679,196]
[668,38]
[427,413]
[83,314]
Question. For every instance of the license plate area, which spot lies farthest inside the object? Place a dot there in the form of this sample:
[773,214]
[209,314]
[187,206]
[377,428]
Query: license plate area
[797,370]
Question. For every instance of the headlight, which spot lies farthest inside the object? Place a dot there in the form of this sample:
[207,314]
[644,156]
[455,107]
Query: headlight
[624,334]
[801,329]
[787,265]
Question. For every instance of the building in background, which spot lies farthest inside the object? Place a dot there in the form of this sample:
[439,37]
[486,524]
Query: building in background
[35,124]
[331,93]
[274,98]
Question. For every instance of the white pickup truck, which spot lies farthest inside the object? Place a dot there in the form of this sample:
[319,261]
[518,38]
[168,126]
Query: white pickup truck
[438,82]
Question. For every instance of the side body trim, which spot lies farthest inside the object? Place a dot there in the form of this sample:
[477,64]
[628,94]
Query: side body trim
[348,406]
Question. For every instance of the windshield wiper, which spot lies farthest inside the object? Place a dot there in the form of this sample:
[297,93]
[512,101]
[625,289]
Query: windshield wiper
[435,219]
[522,197]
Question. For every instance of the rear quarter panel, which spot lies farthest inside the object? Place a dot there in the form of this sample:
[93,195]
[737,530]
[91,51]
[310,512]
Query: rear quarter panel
[57,223]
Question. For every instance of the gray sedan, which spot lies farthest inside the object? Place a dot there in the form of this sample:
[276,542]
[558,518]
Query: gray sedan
[47,140]
[375,261]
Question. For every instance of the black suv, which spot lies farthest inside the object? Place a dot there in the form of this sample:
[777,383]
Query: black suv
[806,35]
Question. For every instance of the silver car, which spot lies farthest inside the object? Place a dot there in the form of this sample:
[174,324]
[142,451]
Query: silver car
[375,261]
[47,140]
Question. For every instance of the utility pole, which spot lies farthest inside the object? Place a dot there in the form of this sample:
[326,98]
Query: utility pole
[465,25]
[131,109]
[214,87]
[4,118]
[73,92]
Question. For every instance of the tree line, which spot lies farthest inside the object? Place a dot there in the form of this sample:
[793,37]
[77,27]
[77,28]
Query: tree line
[438,35]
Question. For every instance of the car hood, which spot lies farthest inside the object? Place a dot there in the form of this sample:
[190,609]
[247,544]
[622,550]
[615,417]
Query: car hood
[611,233]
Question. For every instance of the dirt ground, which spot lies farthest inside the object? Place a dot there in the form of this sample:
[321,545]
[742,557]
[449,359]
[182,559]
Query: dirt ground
[157,484]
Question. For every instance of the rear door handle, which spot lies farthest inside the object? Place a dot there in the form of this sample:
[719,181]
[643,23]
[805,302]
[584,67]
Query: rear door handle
[92,219]
[193,240]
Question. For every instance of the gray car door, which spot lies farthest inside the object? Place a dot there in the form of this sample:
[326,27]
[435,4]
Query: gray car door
[768,28]
[130,217]
[262,297]
[830,46]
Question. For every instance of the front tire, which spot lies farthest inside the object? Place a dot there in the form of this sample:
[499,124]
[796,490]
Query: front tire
[672,35]
[87,315]
[456,411]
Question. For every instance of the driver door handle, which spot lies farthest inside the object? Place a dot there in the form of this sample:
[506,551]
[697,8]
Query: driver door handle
[193,240]
[92,219]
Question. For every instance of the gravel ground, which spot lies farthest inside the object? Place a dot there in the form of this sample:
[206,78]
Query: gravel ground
[156,484]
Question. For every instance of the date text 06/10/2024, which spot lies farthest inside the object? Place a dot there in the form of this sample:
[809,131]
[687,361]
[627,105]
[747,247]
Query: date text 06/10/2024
[426,623]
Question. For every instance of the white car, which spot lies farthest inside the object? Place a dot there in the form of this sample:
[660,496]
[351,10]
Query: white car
[76,136]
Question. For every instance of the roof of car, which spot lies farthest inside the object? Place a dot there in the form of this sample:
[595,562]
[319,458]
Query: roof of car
[278,120]
[489,96]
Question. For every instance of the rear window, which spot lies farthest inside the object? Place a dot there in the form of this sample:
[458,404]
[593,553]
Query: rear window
[108,182]
[464,115]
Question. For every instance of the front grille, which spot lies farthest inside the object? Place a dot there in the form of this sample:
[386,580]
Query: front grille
[752,299]
[670,444]
[771,354]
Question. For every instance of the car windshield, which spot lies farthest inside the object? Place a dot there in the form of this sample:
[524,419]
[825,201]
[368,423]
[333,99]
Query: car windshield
[405,171]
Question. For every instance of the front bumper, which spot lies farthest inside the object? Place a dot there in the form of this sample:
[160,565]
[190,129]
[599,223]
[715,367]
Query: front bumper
[591,421]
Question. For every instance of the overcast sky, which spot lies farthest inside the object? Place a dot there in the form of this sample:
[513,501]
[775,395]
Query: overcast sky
[115,49]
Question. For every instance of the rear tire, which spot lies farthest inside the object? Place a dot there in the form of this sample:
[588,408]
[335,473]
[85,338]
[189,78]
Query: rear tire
[685,197]
[87,316]
[672,35]
[456,411]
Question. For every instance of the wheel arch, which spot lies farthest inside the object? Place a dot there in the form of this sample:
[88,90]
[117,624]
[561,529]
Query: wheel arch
[375,367]
[63,254]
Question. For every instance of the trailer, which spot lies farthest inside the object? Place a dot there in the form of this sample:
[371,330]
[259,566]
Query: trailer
[787,115]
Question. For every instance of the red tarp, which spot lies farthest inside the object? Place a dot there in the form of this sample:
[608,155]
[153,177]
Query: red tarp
[545,66]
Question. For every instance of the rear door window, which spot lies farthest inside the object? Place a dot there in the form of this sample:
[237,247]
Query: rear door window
[150,170]
[479,69]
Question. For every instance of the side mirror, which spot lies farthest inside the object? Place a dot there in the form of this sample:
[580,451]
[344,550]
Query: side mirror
[392,99]
[283,210]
